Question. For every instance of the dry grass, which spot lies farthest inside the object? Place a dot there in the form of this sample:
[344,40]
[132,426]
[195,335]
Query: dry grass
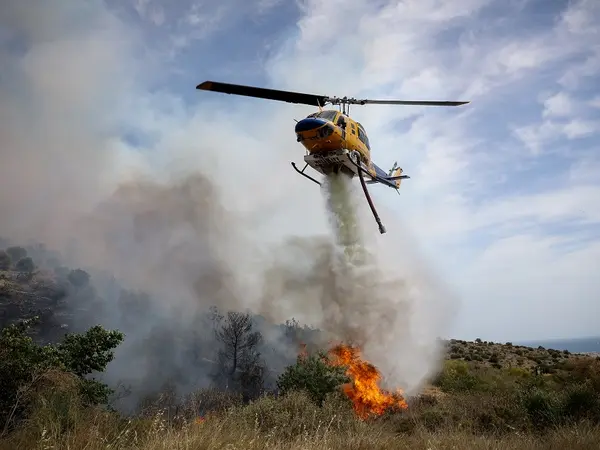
[474,407]
[290,423]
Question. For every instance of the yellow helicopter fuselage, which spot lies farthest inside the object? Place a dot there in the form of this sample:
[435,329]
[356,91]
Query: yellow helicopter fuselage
[328,135]
[331,130]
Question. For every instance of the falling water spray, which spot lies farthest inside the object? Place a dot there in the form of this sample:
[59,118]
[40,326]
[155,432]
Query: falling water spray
[378,301]
[344,219]
[352,264]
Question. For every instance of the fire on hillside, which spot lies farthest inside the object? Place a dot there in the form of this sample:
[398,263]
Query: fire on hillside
[363,390]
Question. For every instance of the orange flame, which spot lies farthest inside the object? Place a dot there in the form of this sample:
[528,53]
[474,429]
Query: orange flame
[303,353]
[367,397]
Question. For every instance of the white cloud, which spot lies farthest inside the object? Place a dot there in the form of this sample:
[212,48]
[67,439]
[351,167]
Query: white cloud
[537,137]
[595,102]
[553,205]
[586,169]
[536,290]
[150,10]
[563,116]
[558,105]
[265,6]
[396,51]
[579,72]
[580,18]
[579,128]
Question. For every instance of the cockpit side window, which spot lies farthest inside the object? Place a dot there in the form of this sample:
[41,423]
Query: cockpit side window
[362,135]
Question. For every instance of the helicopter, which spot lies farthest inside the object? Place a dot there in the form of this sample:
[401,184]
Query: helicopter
[334,142]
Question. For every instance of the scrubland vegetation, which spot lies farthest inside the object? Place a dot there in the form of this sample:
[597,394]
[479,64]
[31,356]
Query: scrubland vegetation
[52,394]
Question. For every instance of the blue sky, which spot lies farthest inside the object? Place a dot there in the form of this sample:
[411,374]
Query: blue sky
[503,200]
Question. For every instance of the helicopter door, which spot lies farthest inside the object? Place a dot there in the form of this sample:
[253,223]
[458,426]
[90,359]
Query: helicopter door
[341,122]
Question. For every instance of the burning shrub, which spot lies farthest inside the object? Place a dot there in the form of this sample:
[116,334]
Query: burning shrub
[322,374]
[314,374]
[364,391]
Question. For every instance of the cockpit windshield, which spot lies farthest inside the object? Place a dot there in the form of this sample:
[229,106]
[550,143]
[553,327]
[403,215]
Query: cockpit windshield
[326,115]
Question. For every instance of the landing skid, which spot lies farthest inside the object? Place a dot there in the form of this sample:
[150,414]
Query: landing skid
[353,158]
[301,172]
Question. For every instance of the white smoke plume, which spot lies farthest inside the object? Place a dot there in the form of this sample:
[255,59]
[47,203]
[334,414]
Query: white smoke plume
[162,220]
[370,290]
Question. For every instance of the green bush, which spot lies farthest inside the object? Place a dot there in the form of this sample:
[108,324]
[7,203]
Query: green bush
[24,366]
[584,371]
[581,402]
[518,372]
[543,408]
[456,377]
[313,374]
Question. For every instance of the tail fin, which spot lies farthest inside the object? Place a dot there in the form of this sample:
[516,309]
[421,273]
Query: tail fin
[394,172]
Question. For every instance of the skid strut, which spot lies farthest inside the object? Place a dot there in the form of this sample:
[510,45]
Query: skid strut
[366,191]
[301,172]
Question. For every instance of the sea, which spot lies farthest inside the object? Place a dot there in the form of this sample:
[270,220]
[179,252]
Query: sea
[578,345]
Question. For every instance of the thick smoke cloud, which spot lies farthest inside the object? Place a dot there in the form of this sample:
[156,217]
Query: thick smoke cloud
[173,240]
[160,221]
[65,69]
[367,289]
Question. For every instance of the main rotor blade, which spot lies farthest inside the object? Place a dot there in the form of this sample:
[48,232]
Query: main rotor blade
[269,94]
[411,102]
